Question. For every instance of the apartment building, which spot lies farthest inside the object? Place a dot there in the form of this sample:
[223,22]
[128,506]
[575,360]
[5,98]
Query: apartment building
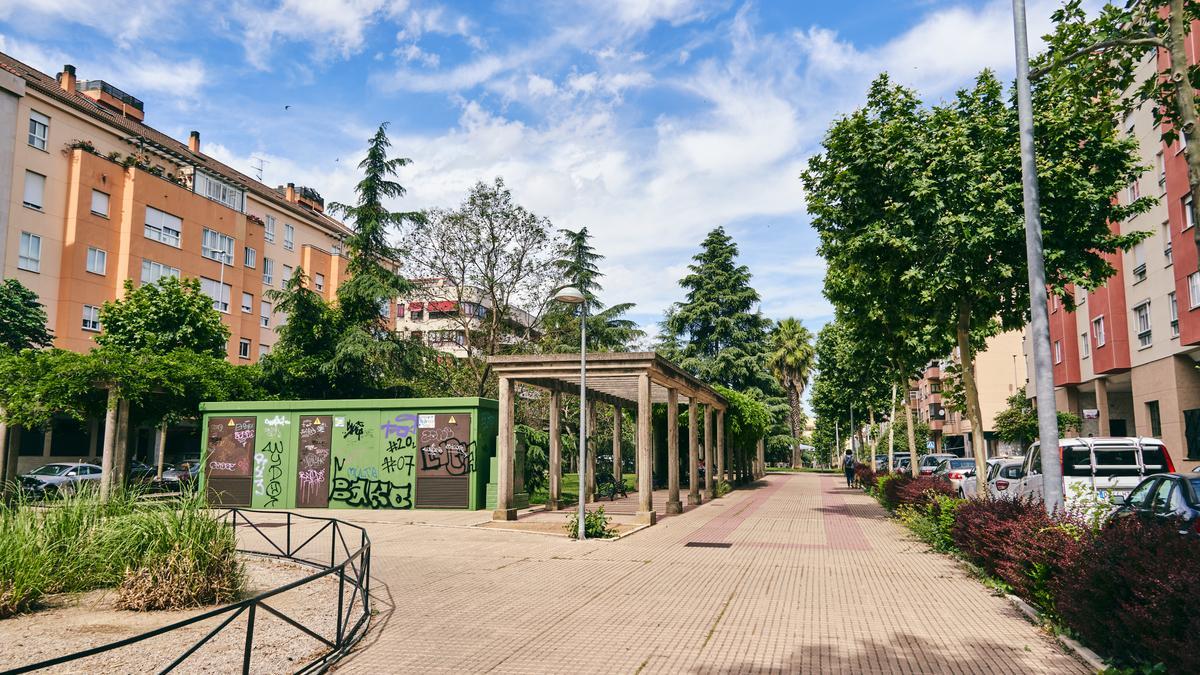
[440,313]
[1125,358]
[91,195]
[1000,370]
[105,197]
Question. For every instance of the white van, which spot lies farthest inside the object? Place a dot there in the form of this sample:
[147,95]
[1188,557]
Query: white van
[1108,467]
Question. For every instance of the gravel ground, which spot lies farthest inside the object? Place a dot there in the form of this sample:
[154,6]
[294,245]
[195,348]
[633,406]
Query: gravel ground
[71,623]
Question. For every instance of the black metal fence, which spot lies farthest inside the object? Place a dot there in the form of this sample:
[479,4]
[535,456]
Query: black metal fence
[311,540]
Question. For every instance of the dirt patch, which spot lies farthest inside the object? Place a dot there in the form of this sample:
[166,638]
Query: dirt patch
[70,623]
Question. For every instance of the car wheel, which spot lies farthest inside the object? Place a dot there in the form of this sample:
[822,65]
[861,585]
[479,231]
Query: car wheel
[961,494]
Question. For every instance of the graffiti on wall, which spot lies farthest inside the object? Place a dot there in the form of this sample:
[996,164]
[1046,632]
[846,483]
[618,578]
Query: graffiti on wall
[312,464]
[362,487]
[230,441]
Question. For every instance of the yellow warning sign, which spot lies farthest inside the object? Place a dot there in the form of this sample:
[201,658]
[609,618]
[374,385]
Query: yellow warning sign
[230,422]
[452,420]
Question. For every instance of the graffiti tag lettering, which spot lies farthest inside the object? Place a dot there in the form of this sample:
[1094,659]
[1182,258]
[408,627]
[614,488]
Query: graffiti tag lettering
[357,490]
[354,428]
[454,456]
[403,425]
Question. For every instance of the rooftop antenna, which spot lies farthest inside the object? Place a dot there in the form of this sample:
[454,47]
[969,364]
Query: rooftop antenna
[258,163]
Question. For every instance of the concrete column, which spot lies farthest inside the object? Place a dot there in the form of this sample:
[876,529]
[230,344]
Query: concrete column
[554,500]
[12,455]
[761,461]
[645,513]
[722,451]
[710,481]
[673,503]
[591,450]
[505,452]
[48,439]
[618,422]
[693,454]
[718,451]
[1102,405]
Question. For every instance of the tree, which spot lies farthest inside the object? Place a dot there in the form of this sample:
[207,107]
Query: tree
[1018,423]
[22,318]
[608,330]
[492,259]
[1100,57]
[850,375]
[160,317]
[791,360]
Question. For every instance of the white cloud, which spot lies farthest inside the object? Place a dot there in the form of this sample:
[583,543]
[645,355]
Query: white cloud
[331,27]
[127,23]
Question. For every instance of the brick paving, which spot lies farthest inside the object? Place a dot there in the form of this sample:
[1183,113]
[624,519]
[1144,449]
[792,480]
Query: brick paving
[816,579]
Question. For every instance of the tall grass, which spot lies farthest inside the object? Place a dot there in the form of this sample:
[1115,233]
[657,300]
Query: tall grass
[159,554]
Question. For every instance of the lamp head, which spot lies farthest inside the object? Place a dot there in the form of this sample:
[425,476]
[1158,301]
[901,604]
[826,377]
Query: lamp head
[569,295]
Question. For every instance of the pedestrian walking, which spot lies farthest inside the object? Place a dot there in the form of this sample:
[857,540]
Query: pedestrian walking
[848,468]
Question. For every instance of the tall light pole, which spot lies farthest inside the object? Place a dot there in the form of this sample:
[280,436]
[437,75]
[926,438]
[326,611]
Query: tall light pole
[573,296]
[1039,324]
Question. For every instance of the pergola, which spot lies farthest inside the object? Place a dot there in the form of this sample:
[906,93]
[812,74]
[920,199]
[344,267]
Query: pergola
[636,380]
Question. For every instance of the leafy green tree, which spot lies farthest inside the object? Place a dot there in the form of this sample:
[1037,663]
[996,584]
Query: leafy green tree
[1018,423]
[22,318]
[608,330]
[850,374]
[791,360]
[160,317]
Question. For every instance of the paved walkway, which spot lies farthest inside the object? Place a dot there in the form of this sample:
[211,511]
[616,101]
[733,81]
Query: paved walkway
[798,574]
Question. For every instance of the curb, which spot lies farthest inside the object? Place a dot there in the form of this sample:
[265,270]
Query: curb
[1091,658]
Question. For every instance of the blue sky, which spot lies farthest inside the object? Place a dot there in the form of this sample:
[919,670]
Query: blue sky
[648,121]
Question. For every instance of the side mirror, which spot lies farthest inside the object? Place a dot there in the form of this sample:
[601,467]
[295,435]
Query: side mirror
[72,472]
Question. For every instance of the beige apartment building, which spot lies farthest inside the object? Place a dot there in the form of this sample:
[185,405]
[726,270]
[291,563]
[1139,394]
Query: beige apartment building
[1125,358]
[999,372]
[442,314]
[96,196]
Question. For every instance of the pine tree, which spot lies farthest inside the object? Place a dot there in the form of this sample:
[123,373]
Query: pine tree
[578,265]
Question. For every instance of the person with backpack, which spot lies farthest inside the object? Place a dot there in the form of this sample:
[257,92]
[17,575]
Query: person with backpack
[848,468]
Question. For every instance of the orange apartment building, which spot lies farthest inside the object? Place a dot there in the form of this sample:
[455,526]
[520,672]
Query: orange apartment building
[90,196]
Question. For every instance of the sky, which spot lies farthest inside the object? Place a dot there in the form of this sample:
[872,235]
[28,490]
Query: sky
[650,122]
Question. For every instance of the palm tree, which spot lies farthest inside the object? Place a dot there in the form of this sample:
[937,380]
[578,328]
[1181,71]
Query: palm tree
[791,360]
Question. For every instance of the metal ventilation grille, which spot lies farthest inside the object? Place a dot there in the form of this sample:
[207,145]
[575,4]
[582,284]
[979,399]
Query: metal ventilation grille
[443,493]
[708,544]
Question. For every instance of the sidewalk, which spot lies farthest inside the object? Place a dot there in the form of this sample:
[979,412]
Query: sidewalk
[797,574]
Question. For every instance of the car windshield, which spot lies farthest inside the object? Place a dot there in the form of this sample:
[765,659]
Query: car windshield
[1195,486]
[1114,461]
[51,470]
[962,464]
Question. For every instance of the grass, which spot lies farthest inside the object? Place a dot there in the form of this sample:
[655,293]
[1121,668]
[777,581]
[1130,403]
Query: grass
[570,489]
[160,554]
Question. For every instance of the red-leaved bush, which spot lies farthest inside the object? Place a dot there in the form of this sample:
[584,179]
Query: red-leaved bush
[889,496]
[865,475]
[1128,594]
[919,491]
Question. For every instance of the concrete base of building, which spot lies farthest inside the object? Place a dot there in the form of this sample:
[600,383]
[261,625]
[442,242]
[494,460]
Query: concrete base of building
[693,499]
[646,517]
[712,494]
[504,514]
[553,505]
[675,506]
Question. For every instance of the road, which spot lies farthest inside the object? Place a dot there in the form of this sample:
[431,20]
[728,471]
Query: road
[797,574]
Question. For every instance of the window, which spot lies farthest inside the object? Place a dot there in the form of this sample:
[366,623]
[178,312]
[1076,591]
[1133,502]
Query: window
[1174,305]
[152,271]
[217,246]
[100,203]
[163,227]
[1132,192]
[1189,214]
[264,314]
[1161,165]
[269,229]
[319,281]
[1155,416]
[1139,262]
[268,271]
[247,302]
[35,190]
[97,261]
[287,274]
[935,388]
[91,318]
[1166,237]
[400,309]
[263,350]
[1141,317]
[39,129]
[30,256]
[218,191]
[243,348]
[289,237]
[1058,351]
[1193,290]
[1085,346]
[1098,330]
[219,293]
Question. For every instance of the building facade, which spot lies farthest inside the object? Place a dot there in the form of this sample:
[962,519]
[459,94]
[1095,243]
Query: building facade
[448,316]
[1125,357]
[999,373]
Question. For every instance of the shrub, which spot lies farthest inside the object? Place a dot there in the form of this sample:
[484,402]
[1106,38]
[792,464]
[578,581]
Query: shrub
[933,523]
[595,525]
[1126,596]
[888,492]
[920,491]
[864,475]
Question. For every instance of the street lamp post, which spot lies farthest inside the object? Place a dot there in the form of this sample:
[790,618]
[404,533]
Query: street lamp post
[574,296]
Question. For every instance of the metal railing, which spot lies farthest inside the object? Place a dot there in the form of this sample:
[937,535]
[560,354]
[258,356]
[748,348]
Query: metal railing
[276,535]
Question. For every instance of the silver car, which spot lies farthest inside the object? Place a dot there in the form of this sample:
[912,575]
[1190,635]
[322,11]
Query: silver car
[60,478]
[955,471]
[1002,473]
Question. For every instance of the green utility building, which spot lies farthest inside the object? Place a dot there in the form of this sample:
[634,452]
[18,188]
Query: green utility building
[364,454]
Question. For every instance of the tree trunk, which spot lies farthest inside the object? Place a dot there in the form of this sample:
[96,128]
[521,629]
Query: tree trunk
[162,448]
[110,444]
[912,439]
[794,420]
[974,412]
[1185,99]
[892,431]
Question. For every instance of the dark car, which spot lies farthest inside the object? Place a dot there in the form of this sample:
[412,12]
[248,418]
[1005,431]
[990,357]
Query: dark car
[881,463]
[1167,497]
[183,476]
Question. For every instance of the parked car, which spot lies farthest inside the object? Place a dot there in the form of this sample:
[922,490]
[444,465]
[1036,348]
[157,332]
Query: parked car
[180,477]
[1171,497]
[881,463]
[1109,467]
[928,463]
[954,471]
[59,478]
[901,464]
[140,472]
[1002,471]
